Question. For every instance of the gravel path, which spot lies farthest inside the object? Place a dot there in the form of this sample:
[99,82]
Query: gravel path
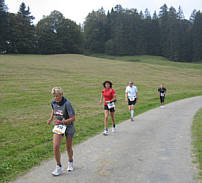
[155,148]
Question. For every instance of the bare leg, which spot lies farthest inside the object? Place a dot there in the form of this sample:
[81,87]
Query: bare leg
[112,117]
[69,148]
[56,147]
[106,118]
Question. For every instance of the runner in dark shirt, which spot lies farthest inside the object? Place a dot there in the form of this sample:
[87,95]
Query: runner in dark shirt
[162,94]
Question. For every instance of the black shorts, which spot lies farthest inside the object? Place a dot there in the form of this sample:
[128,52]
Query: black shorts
[111,110]
[162,99]
[131,102]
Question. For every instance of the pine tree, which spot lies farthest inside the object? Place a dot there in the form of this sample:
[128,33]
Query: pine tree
[180,14]
[147,31]
[184,37]
[96,31]
[164,30]
[25,41]
[173,35]
[197,38]
[193,16]
[3,27]
[26,14]
[155,35]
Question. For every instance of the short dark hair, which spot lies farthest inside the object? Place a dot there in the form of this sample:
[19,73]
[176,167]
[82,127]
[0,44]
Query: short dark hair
[110,83]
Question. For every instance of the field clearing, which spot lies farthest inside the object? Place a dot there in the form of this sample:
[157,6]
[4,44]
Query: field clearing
[26,82]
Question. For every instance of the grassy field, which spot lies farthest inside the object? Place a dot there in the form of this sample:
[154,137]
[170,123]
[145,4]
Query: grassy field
[157,60]
[197,141]
[26,81]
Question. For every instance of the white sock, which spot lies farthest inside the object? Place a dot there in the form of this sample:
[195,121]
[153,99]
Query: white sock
[132,113]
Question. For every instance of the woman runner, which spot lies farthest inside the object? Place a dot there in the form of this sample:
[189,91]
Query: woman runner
[64,115]
[110,97]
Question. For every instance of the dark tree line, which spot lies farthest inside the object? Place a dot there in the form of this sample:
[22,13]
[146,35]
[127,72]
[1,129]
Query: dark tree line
[129,32]
[52,34]
[117,32]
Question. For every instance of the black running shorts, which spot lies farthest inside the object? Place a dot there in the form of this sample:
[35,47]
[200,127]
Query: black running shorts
[111,110]
[131,102]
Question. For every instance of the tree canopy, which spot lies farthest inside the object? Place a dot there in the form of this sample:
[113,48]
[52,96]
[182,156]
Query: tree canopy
[129,32]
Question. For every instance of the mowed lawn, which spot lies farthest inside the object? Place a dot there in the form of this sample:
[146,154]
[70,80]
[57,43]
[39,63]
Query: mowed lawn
[197,142]
[26,82]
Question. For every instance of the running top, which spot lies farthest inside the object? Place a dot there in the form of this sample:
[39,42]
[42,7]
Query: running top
[108,94]
[62,109]
[131,91]
[162,91]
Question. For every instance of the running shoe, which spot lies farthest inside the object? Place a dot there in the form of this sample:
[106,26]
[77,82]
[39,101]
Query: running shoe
[106,132]
[113,129]
[57,171]
[131,119]
[70,166]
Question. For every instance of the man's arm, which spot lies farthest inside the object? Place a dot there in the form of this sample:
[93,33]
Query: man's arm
[126,96]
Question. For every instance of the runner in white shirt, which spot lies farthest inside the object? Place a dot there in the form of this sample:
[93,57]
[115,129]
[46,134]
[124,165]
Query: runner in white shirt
[131,97]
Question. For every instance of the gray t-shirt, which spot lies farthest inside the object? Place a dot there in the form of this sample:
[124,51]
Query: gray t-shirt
[62,109]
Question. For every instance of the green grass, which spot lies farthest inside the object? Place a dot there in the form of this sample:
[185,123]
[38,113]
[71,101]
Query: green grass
[26,82]
[152,60]
[197,141]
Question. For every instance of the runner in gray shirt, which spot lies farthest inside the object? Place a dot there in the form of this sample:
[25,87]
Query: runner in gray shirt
[64,115]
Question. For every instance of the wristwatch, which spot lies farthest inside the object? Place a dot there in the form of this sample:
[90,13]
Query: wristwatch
[63,123]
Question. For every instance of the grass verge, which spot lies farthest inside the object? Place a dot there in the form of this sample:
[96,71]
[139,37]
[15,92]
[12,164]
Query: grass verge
[197,142]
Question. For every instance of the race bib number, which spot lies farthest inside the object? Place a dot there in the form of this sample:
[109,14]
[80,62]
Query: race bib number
[162,94]
[110,105]
[132,99]
[59,129]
